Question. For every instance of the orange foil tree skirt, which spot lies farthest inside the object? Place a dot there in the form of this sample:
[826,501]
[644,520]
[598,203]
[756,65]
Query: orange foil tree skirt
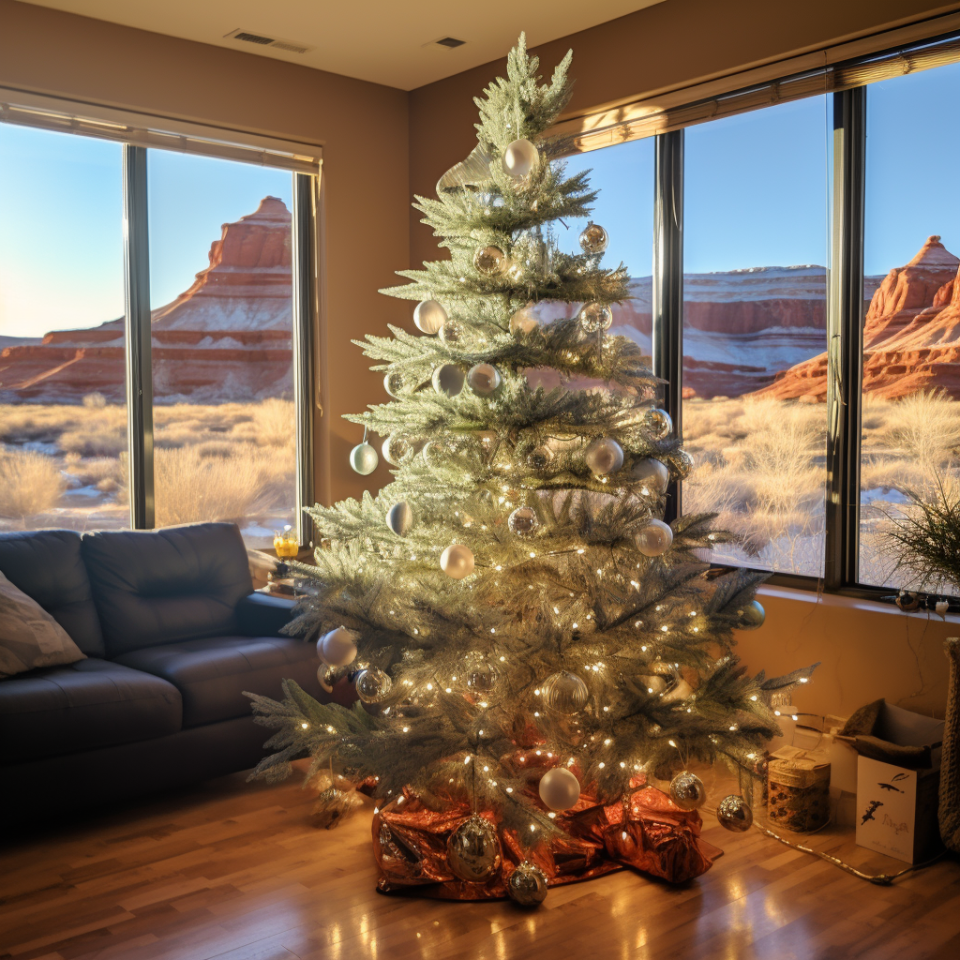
[646,831]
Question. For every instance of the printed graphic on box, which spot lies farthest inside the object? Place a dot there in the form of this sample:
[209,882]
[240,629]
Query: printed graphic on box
[887,805]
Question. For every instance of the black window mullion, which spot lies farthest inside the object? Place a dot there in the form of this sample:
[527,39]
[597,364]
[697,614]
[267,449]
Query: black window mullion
[845,340]
[139,377]
[667,285]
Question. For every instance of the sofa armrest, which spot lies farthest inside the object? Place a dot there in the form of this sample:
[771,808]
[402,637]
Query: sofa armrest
[264,614]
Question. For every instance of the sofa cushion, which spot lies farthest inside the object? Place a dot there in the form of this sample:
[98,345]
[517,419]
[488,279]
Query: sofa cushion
[164,586]
[211,674]
[88,704]
[47,565]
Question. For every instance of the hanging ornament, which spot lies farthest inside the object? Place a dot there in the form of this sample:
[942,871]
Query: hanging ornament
[326,677]
[524,321]
[395,449]
[400,518]
[687,791]
[682,463]
[652,474]
[540,457]
[473,850]
[363,458]
[595,317]
[457,561]
[943,608]
[429,317]
[658,422]
[564,693]
[491,261]
[483,379]
[482,676]
[448,379]
[395,384]
[451,333]
[681,690]
[527,885]
[663,680]
[559,789]
[594,239]
[734,814]
[751,616]
[373,685]
[523,522]
[604,456]
[338,648]
[654,539]
[520,159]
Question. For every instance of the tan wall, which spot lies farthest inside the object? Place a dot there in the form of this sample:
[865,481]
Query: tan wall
[363,127]
[868,650]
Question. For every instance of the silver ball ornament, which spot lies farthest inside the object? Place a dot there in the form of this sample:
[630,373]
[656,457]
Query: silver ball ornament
[594,239]
[482,676]
[484,379]
[457,561]
[524,321]
[523,522]
[395,384]
[395,449]
[364,459]
[595,316]
[448,379]
[338,648]
[491,261]
[682,463]
[452,333]
[604,456]
[429,316]
[373,685]
[527,885]
[734,814]
[564,693]
[559,789]
[751,616]
[400,518]
[520,159]
[658,422]
[473,850]
[687,791]
[652,474]
[654,539]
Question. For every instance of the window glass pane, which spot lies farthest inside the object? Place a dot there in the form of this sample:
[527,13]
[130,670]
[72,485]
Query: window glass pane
[754,332]
[63,419]
[911,420]
[221,296]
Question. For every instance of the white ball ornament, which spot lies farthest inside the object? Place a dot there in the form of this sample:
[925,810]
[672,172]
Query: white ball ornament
[604,456]
[483,379]
[655,538]
[457,561]
[520,159]
[400,518]
[364,459]
[338,648]
[429,316]
[448,379]
[652,474]
[559,789]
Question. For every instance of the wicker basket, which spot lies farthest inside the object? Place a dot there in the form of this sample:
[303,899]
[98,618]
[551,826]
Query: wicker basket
[798,794]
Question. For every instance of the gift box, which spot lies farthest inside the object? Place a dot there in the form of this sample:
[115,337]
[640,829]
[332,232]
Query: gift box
[798,790]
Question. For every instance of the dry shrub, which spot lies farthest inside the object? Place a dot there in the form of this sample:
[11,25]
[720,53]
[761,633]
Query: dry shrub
[30,483]
[274,424]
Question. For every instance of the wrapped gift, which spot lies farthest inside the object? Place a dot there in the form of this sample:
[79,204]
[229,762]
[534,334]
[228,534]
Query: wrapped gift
[798,790]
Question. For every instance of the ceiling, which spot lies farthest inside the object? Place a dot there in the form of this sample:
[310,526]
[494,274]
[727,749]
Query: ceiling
[384,41]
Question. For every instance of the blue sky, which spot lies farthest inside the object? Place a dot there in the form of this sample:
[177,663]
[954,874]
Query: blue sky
[755,196]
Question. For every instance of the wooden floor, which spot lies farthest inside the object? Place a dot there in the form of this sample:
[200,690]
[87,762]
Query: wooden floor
[232,870]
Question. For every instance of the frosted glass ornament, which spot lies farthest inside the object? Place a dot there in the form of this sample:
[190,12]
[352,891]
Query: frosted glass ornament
[395,449]
[483,379]
[564,693]
[652,474]
[594,317]
[604,456]
[687,791]
[457,561]
[559,789]
[527,885]
[524,321]
[654,539]
[373,685]
[452,333]
[658,422]
[400,518]
[491,261]
[520,159]
[523,522]
[751,616]
[429,316]
[734,814]
[448,379]
[364,459]
[395,384]
[594,239]
[338,648]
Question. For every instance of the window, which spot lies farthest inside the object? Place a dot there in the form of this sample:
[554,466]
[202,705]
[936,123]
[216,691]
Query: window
[63,418]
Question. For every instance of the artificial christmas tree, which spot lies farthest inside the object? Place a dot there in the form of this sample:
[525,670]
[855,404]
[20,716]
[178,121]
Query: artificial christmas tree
[530,641]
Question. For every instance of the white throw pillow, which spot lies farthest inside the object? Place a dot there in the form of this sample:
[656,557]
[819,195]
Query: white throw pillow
[29,636]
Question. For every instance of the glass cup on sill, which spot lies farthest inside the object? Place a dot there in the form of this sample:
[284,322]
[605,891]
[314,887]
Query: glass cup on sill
[285,542]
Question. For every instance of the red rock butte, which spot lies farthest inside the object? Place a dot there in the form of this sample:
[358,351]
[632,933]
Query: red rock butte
[228,337]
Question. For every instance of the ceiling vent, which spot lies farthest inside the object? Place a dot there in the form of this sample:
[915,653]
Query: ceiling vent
[245,36]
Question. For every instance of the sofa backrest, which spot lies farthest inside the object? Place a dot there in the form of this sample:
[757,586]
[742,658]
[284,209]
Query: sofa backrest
[162,586]
[47,565]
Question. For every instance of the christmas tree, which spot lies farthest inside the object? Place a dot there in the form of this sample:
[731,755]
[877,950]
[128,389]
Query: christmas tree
[522,625]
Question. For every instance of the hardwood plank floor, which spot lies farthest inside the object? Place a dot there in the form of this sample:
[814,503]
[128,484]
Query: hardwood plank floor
[235,871]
